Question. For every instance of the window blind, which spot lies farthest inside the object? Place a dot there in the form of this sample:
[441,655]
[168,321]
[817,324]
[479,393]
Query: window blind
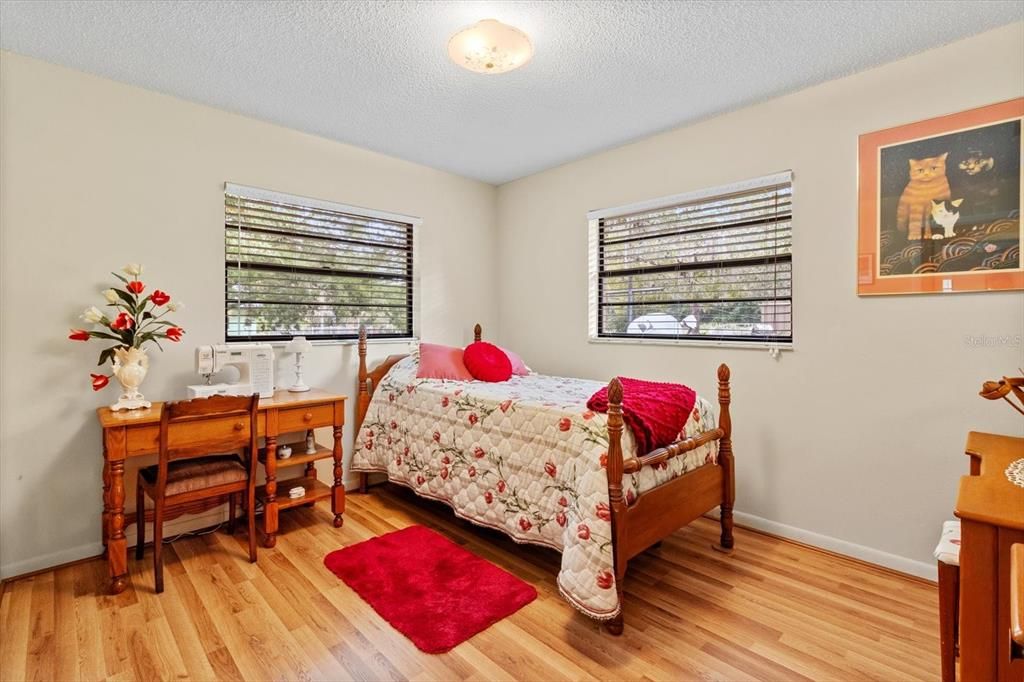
[296,266]
[715,265]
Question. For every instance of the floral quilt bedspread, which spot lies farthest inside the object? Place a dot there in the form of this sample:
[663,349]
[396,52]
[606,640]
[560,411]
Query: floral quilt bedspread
[524,456]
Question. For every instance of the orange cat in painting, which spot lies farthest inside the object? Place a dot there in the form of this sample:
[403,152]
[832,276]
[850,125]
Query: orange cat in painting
[927,183]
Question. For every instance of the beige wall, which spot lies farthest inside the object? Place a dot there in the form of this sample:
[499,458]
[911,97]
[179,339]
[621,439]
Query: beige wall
[94,174]
[853,440]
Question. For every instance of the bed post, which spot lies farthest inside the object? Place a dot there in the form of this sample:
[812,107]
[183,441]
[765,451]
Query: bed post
[618,508]
[477,333]
[725,457]
[363,399]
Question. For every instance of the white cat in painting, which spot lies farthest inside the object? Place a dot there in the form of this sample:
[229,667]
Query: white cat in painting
[944,217]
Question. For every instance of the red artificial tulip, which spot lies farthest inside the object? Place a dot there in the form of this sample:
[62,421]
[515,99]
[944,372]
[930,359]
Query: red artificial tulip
[158,297]
[78,335]
[136,287]
[122,321]
[174,333]
[99,381]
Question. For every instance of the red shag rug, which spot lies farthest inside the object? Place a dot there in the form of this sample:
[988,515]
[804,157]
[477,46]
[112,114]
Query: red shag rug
[431,590]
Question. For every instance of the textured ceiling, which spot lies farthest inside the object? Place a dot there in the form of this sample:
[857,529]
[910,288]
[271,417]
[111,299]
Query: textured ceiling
[376,74]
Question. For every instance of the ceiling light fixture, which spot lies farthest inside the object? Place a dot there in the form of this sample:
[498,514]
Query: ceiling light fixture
[490,46]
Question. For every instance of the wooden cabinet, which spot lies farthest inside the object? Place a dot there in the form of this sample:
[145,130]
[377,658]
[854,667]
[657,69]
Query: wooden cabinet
[136,433]
[991,510]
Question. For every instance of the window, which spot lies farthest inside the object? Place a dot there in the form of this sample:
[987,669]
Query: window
[298,266]
[714,265]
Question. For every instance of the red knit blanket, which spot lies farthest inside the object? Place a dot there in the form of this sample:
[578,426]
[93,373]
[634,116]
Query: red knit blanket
[655,412]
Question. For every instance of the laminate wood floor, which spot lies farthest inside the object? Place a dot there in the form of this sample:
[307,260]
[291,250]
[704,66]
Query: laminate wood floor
[772,610]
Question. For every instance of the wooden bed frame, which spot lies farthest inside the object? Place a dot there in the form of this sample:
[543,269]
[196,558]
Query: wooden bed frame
[656,513]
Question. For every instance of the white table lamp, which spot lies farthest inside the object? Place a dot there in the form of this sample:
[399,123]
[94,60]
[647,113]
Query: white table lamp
[298,346]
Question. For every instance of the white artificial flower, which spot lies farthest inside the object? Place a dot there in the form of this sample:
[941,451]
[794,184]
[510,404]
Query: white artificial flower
[92,314]
[111,296]
[133,269]
[175,306]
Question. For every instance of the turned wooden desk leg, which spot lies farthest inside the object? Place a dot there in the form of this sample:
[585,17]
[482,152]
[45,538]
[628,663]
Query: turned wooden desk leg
[105,517]
[270,501]
[338,490]
[117,546]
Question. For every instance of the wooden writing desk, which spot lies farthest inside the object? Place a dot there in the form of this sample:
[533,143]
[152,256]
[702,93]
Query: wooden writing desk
[991,510]
[136,433]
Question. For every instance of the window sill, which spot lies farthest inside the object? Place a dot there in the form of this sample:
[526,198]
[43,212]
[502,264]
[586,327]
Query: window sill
[742,345]
[346,342]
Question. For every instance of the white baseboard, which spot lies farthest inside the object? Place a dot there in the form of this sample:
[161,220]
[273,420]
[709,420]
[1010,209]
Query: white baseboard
[171,528]
[895,562]
[181,524]
[39,563]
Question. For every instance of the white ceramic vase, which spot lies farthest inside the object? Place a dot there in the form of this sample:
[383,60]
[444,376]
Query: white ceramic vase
[130,367]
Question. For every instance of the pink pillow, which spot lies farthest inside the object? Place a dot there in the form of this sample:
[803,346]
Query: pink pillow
[442,362]
[487,362]
[519,367]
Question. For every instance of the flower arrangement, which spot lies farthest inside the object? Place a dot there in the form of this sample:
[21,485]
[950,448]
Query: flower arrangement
[136,320]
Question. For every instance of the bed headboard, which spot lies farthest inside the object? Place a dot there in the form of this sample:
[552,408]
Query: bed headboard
[370,379]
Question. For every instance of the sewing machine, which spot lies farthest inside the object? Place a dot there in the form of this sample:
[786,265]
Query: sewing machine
[254,362]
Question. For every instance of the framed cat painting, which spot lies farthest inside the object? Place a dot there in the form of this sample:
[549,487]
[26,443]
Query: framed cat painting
[940,204]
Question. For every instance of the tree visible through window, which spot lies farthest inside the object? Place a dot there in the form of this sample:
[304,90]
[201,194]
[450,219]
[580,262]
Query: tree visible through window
[715,266]
[304,267]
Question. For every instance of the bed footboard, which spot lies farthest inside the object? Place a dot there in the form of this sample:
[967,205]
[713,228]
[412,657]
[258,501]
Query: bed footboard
[659,512]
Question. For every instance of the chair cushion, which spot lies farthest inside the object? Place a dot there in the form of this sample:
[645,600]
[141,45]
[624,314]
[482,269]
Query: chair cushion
[948,549]
[186,475]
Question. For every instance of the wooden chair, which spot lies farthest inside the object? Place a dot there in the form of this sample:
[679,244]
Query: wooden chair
[187,473]
[948,554]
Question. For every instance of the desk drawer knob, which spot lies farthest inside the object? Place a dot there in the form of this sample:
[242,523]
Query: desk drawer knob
[239,426]
[308,417]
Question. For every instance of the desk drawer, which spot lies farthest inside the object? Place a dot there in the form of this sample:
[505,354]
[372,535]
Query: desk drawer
[213,432]
[302,418]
